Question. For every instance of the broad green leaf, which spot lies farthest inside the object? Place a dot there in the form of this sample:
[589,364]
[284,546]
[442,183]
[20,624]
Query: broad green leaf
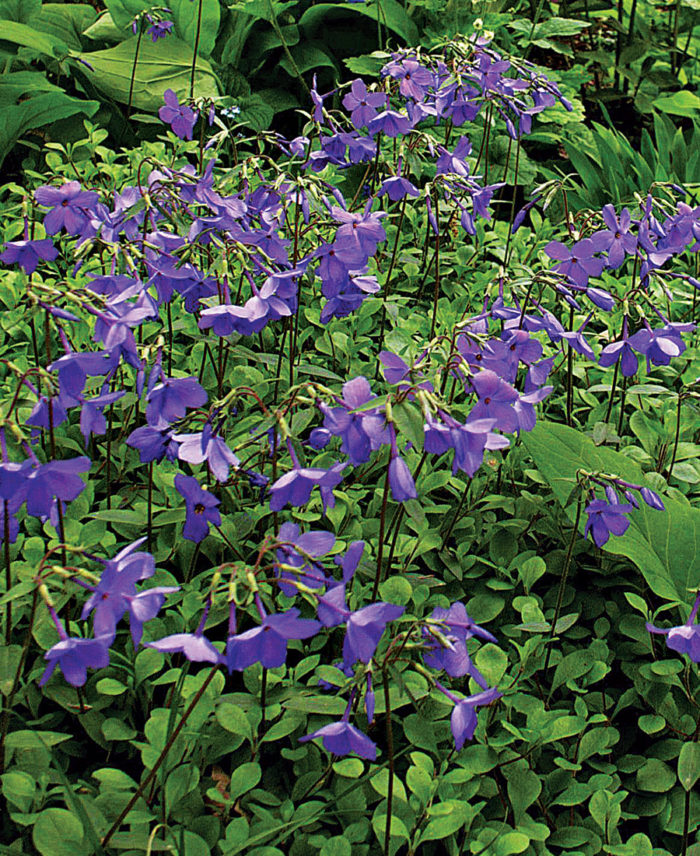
[683,103]
[123,11]
[391,14]
[689,765]
[665,545]
[36,112]
[104,30]
[22,34]
[243,779]
[58,832]
[67,21]
[164,65]
[186,17]
[22,11]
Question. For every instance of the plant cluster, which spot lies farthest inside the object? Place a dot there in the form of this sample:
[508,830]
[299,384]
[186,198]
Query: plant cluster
[211,329]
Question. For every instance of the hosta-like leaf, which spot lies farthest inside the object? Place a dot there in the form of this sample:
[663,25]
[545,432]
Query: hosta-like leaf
[665,545]
[167,64]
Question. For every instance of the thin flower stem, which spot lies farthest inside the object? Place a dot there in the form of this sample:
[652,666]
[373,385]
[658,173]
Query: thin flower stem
[196,48]
[612,391]
[387,281]
[8,569]
[7,712]
[570,375]
[382,524]
[562,583]
[675,441]
[390,754]
[161,758]
[133,69]
[149,526]
[436,291]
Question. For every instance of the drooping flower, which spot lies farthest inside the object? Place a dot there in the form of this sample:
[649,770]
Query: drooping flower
[75,656]
[267,643]
[365,628]
[685,638]
[341,738]
[605,517]
[27,254]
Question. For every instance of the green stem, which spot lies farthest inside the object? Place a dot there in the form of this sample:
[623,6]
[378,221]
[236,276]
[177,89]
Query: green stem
[675,442]
[196,48]
[161,758]
[382,525]
[390,754]
[8,569]
[133,69]
[562,584]
[612,391]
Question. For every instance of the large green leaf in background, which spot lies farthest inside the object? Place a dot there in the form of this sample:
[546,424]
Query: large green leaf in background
[164,65]
[185,13]
[19,10]
[42,103]
[65,20]
[665,545]
[391,15]
[123,11]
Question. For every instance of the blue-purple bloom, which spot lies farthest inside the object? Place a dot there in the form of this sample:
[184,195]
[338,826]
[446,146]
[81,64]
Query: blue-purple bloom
[200,508]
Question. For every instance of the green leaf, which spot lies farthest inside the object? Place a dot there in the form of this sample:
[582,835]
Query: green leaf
[57,832]
[185,17]
[655,776]
[391,14]
[243,779]
[167,64]
[22,11]
[104,30]
[665,545]
[123,11]
[410,422]
[531,570]
[683,103]
[21,34]
[307,57]
[10,656]
[349,768]
[689,765]
[67,21]
[34,739]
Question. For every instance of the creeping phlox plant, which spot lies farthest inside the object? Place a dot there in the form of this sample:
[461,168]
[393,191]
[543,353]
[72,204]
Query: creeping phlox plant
[234,255]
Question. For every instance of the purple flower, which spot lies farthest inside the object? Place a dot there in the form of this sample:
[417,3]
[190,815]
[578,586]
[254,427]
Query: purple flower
[341,738]
[69,207]
[365,628]
[362,103]
[200,508]
[620,351]
[403,487]
[195,647]
[168,401]
[75,656]
[652,499]
[153,444]
[463,721]
[115,594]
[397,188]
[28,253]
[159,30]
[604,518]
[686,637]
[496,398]
[205,446]
[267,643]
[617,239]
[295,550]
[578,263]
[55,480]
[448,650]
[659,346]
[294,488]
[181,118]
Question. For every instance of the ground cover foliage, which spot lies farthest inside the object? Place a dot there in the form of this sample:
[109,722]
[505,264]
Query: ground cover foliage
[349,479]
